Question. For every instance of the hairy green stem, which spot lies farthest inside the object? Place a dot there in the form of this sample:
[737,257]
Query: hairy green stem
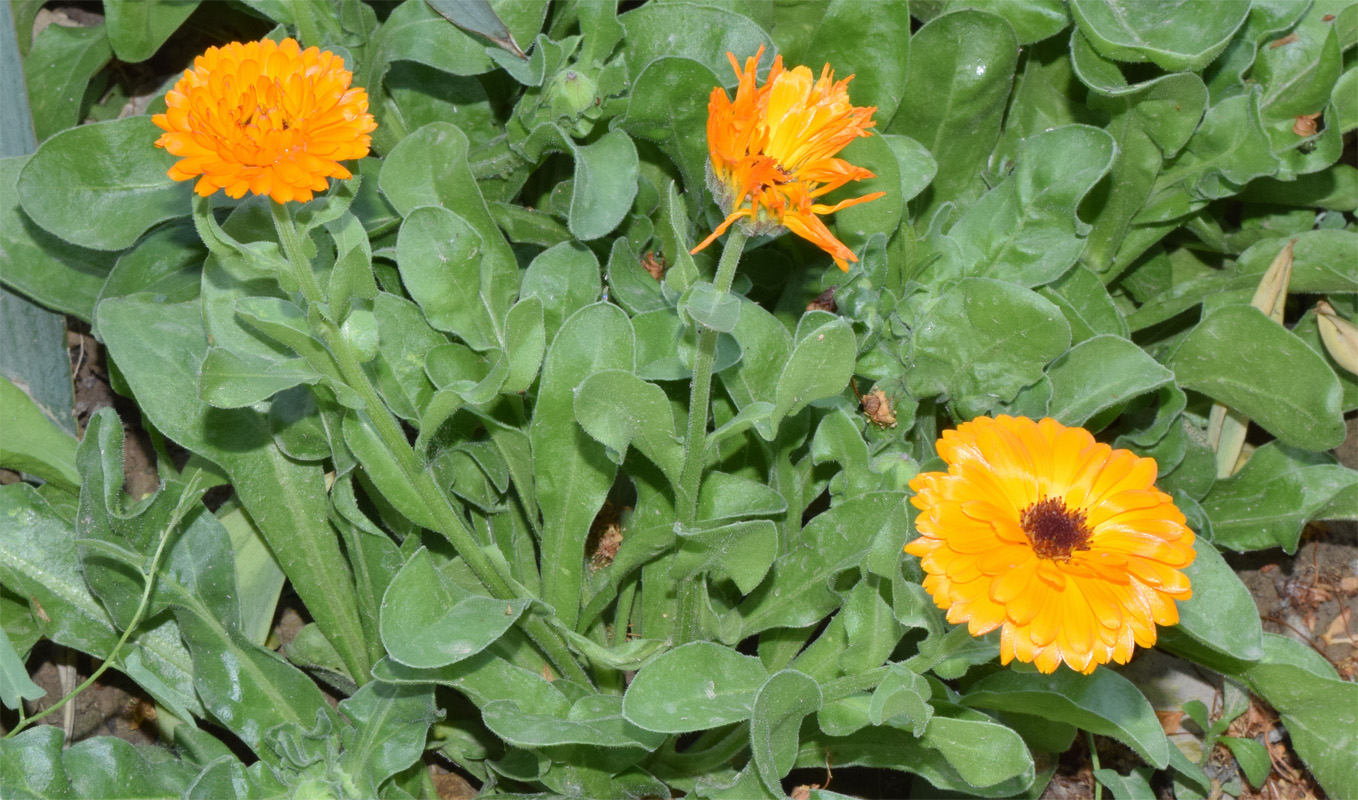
[695,441]
[396,443]
[1094,763]
[186,501]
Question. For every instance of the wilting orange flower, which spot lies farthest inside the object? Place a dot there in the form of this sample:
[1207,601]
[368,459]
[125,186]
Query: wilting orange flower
[1062,541]
[266,117]
[773,152]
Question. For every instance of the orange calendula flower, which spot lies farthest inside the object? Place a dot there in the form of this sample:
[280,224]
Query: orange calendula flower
[267,117]
[773,152]
[1062,542]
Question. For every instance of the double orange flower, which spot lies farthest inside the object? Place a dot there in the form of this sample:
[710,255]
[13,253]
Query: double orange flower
[773,152]
[265,117]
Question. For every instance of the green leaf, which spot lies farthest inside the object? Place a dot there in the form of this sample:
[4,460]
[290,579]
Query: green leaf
[798,592]
[917,167]
[1177,35]
[1243,359]
[903,693]
[565,279]
[709,33]
[982,342]
[1315,706]
[819,365]
[1220,615]
[1229,149]
[159,350]
[669,99]
[429,621]
[231,380]
[406,340]
[1025,230]
[31,763]
[43,266]
[973,755]
[385,470]
[741,551]
[955,97]
[15,685]
[727,496]
[765,346]
[694,687]
[165,265]
[571,472]
[871,47]
[137,28]
[58,70]
[391,723]
[779,708]
[106,766]
[33,443]
[429,168]
[1033,20]
[1134,786]
[1084,300]
[1273,497]
[101,186]
[1100,373]
[245,688]
[525,343]
[704,305]
[442,258]
[619,409]
[1252,757]
[593,720]
[983,752]
[38,560]
[1103,702]
[856,224]
[605,184]
[1319,261]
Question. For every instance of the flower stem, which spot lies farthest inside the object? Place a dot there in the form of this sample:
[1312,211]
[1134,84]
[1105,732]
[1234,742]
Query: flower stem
[695,442]
[1094,764]
[186,501]
[396,443]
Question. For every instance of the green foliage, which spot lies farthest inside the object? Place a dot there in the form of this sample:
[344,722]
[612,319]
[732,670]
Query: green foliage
[459,413]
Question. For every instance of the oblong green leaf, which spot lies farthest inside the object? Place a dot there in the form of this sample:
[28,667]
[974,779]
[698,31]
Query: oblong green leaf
[1243,359]
[101,186]
[1177,35]
[443,259]
[571,472]
[137,28]
[619,409]
[1099,373]
[1025,230]
[33,443]
[955,97]
[694,687]
[1319,710]
[1220,615]
[1273,497]
[605,184]
[709,33]
[1103,702]
[429,621]
[779,708]
[983,341]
